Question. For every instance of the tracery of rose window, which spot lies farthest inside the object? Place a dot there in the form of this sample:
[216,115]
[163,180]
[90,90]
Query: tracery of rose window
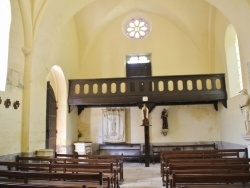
[137,28]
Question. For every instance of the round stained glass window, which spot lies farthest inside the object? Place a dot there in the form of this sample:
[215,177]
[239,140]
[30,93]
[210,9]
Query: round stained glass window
[137,28]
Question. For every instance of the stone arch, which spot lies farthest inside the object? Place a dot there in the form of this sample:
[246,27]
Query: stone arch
[57,79]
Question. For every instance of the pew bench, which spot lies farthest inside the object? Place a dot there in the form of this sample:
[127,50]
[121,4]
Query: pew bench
[206,173]
[117,162]
[239,153]
[209,178]
[157,148]
[118,165]
[208,160]
[44,185]
[235,185]
[129,151]
[212,161]
[74,166]
[69,179]
[39,159]
[202,154]
[109,173]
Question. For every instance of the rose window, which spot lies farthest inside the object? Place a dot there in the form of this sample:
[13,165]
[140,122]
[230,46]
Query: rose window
[137,28]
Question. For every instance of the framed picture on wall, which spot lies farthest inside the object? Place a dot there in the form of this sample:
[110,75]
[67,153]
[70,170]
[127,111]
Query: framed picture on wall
[113,125]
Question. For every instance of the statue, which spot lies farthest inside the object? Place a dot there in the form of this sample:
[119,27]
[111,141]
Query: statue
[144,113]
[245,106]
[164,117]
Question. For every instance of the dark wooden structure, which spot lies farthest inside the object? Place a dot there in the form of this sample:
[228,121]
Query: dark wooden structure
[152,91]
[128,151]
[149,90]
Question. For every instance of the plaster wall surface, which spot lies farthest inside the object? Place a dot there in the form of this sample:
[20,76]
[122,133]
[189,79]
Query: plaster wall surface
[196,123]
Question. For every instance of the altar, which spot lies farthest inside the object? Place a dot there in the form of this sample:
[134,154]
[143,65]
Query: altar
[83,148]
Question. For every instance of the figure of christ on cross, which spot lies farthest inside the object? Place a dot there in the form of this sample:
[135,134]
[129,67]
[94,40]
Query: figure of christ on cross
[144,112]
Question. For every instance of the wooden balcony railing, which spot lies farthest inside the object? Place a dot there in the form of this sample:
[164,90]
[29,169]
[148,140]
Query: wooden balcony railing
[157,90]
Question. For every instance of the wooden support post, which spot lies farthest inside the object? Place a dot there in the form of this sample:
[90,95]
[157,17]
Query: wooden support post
[147,146]
[145,123]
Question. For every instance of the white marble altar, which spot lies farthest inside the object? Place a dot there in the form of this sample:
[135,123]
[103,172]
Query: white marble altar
[83,148]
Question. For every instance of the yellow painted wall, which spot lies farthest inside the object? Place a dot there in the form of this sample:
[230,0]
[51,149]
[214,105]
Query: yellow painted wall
[231,120]
[11,119]
[171,49]
[195,123]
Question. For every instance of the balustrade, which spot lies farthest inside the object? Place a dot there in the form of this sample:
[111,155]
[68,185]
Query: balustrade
[160,90]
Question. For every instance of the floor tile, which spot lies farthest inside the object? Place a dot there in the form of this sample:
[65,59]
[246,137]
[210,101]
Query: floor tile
[136,175]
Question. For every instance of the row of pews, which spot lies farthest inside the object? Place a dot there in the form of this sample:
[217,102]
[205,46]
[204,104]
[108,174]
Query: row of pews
[157,148]
[63,170]
[225,168]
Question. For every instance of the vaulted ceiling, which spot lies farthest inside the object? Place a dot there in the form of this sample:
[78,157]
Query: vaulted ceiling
[194,18]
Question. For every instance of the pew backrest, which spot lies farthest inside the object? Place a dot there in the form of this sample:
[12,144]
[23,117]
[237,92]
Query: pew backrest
[26,176]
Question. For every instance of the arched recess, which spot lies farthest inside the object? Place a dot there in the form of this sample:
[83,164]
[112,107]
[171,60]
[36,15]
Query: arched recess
[233,61]
[57,80]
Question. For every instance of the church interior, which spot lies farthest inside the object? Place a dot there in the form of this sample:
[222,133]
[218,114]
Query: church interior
[186,61]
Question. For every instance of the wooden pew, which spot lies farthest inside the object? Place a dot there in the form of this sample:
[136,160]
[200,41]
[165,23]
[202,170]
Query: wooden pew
[39,159]
[208,160]
[24,185]
[218,153]
[165,158]
[110,166]
[119,164]
[26,166]
[109,173]
[210,178]
[128,150]
[66,160]
[69,178]
[215,186]
[70,165]
[118,158]
[62,165]
[191,161]
[198,154]
[157,148]
[16,185]
[208,173]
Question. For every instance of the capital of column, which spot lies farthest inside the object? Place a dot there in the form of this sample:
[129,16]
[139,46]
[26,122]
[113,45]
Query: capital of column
[26,51]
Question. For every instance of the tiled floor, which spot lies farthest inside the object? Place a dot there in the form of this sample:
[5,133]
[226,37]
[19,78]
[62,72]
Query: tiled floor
[138,176]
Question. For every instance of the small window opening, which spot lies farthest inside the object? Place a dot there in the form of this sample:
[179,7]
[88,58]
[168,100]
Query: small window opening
[133,59]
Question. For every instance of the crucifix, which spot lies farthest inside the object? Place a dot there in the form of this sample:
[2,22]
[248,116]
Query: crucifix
[145,123]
